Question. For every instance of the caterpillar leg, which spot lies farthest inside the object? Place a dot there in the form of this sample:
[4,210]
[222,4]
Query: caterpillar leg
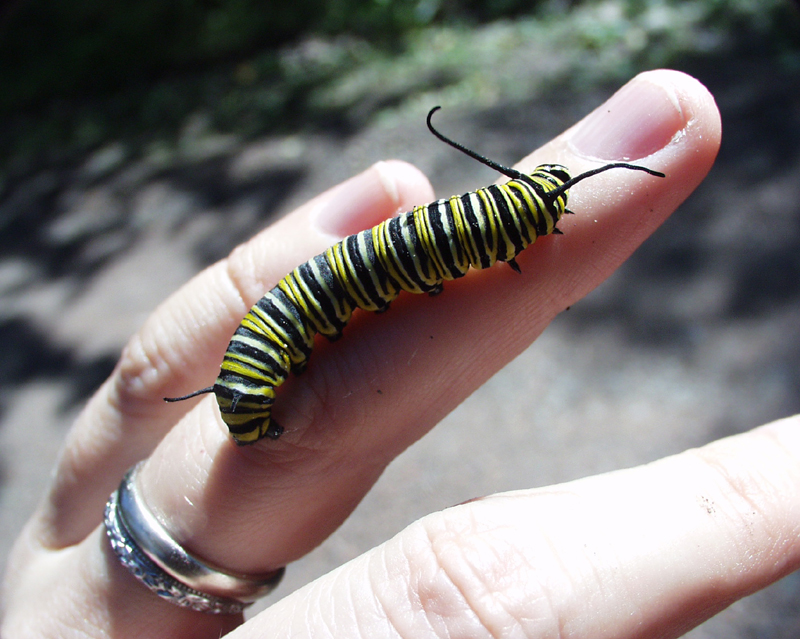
[253,430]
[274,430]
[298,369]
[513,264]
[436,290]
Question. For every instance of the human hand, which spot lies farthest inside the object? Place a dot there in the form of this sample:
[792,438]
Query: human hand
[585,559]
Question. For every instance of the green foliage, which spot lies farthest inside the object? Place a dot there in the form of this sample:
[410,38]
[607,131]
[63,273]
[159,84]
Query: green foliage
[52,48]
[76,76]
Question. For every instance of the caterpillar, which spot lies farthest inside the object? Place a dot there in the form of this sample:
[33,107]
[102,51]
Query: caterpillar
[415,252]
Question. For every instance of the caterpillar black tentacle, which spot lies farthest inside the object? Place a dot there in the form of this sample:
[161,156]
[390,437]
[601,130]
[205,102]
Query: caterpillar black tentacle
[202,391]
[414,252]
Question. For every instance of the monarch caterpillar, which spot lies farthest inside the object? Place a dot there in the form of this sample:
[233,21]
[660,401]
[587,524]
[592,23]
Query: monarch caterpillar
[414,252]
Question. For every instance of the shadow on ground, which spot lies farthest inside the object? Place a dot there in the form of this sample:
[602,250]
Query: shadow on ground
[64,227]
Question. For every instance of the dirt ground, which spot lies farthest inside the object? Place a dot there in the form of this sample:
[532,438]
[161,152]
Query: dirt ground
[695,338]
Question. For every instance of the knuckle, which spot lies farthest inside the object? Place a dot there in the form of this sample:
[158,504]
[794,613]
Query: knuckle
[467,578]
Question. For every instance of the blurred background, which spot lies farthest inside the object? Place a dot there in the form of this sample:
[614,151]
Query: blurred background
[142,140]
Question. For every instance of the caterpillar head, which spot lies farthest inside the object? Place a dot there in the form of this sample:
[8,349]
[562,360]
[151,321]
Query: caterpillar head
[555,173]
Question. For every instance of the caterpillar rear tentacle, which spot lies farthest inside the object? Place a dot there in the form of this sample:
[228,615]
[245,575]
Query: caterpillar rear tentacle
[414,252]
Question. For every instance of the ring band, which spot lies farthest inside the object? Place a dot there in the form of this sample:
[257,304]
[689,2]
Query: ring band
[146,549]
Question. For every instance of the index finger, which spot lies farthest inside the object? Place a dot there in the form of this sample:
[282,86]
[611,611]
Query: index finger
[650,551]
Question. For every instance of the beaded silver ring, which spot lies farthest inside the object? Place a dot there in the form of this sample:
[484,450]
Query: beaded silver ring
[150,554]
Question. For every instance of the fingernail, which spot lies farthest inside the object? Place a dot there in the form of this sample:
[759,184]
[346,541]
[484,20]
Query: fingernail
[638,120]
[362,201]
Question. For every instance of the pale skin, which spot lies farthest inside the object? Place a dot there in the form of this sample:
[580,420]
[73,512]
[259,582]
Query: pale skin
[574,560]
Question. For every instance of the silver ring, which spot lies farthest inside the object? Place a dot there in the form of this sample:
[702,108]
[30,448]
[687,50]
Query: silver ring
[146,549]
